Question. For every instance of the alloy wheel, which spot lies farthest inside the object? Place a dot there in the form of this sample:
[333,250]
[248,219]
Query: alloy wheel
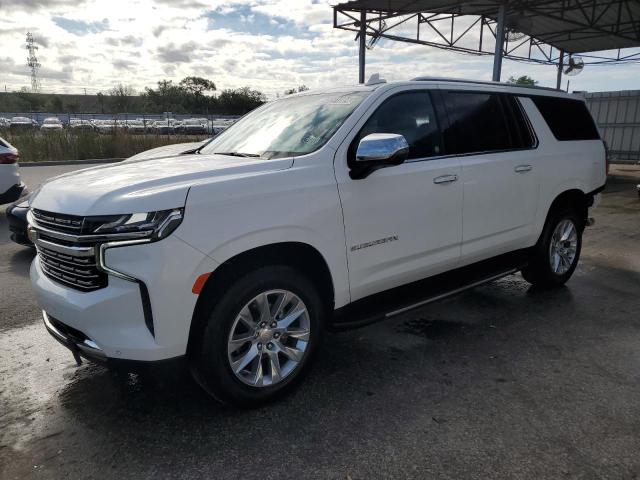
[563,247]
[268,338]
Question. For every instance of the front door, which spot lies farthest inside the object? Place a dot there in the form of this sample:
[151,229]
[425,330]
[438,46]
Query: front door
[402,223]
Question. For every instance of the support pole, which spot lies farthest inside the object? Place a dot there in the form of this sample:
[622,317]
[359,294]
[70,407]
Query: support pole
[560,67]
[497,57]
[363,45]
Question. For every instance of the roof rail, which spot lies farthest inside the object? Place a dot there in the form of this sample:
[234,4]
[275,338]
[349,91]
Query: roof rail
[482,82]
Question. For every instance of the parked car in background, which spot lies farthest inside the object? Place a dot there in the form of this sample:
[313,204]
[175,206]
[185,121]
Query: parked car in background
[77,124]
[165,127]
[194,126]
[105,126]
[22,123]
[218,129]
[11,187]
[135,126]
[17,218]
[51,124]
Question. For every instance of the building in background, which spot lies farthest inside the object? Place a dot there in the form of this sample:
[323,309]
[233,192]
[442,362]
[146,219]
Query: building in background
[618,116]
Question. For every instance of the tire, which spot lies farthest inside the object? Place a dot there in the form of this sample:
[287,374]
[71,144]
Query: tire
[550,267]
[227,341]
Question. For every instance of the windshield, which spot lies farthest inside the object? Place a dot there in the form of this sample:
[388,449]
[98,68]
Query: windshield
[287,127]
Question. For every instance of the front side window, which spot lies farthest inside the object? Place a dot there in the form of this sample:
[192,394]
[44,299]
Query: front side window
[410,114]
[288,127]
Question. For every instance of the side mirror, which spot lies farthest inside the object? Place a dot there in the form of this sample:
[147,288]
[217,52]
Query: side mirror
[379,150]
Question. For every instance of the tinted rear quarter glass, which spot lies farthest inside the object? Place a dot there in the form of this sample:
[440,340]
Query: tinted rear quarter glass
[567,119]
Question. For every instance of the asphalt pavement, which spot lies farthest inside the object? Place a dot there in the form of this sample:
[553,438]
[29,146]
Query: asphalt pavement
[500,382]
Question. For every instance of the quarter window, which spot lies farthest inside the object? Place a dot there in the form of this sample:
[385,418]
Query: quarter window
[568,119]
[412,115]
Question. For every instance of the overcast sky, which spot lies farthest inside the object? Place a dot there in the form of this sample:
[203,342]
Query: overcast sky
[270,45]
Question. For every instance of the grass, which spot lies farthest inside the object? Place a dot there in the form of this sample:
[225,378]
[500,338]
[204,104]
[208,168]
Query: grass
[35,146]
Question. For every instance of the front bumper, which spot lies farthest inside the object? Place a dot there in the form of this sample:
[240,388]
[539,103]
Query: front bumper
[79,344]
[82,347]
[113,317]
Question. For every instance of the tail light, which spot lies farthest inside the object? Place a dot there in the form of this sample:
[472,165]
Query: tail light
[9,158]
[607,158]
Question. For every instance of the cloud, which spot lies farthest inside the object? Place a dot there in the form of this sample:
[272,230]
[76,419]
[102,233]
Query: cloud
[31,5]
[176,54]
[123,64]
[270,45]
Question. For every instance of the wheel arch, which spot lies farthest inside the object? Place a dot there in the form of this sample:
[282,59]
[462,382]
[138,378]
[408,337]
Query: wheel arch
[570,197]
[302,256]
[574,198]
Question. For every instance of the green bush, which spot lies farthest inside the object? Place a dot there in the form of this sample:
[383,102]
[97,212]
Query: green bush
[36,146]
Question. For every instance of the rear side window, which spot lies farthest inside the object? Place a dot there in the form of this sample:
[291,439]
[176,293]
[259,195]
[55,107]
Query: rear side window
[477,123]
[567,119]
[412,115]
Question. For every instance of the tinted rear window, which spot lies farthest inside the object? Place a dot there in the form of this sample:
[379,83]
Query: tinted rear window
[568,119]
[477,123]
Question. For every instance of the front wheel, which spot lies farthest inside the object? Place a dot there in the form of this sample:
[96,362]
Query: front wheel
[259,337]
[555,257]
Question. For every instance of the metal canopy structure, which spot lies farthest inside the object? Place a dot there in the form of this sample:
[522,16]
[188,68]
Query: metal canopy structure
[539,31]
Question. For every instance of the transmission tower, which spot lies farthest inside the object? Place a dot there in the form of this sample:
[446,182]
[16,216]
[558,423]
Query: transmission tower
[32,61]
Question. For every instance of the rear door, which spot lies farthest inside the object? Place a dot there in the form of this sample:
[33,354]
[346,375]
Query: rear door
[402,223]
[489,132]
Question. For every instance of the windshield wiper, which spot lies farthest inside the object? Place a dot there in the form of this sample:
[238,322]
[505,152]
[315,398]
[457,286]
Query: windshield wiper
[238,154]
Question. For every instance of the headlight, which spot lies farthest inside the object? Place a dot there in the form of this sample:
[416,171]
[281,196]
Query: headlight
[153,225]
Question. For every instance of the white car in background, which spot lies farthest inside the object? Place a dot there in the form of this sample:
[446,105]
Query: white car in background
[11,187]
[80,124]
[51,124]
[22,123]
[135,126]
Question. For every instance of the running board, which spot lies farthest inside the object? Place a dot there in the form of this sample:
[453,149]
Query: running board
[450,293]
[403,299]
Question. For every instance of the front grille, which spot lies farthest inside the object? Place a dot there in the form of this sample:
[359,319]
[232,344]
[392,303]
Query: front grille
[65,261]
[58,221]
[77,272]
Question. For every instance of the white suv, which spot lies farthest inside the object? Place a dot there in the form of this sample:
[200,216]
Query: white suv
[327,209]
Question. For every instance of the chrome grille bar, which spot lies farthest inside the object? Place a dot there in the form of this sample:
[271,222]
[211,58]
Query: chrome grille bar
[61,255]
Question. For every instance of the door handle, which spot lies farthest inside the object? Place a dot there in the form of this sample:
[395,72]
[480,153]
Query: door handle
[523,168]
[445,179]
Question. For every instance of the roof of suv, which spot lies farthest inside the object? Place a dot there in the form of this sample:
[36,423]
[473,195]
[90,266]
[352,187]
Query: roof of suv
[451,82]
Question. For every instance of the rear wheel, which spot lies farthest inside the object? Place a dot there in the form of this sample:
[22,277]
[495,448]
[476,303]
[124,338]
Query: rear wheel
[259,337]
[555,257]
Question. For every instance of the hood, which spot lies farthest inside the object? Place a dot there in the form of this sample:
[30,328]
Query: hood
[143,185]
[167,151]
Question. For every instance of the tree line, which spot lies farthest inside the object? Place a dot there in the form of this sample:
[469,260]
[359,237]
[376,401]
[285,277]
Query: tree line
[190,95]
